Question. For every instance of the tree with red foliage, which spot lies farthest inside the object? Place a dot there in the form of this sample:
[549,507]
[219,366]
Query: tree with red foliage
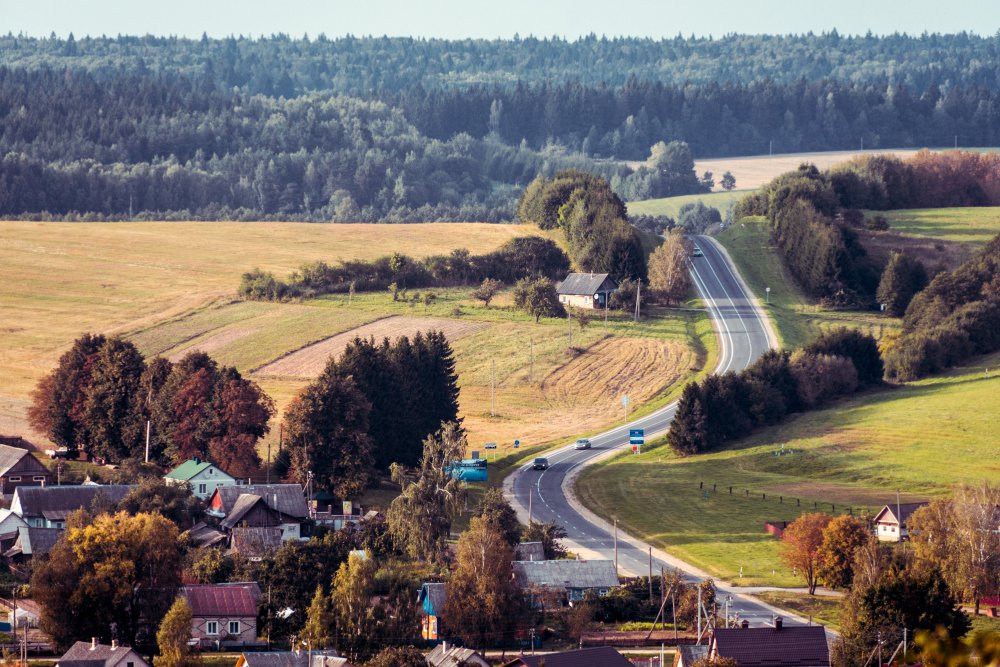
[801,545]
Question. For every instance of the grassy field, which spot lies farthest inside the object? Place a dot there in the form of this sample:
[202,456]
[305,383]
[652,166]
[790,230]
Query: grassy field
[920,439]
[973,226]
[170,288]
[795,317]
[671,206]
[821,609]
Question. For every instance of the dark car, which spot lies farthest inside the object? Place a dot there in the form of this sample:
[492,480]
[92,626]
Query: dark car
[541,463]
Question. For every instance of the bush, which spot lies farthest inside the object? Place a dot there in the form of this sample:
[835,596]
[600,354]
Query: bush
[852,344]
[820,377]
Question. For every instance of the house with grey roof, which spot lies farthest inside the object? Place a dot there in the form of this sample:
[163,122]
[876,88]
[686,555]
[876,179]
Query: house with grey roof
[570,580]
[202,477]
[32,542]
[890,522]
[598,656]
[19,467]
[48,506]
[254,543]
[529,551]
[449,655]
[203,535]
[92,654]
[432,598]
[300,658]
[223,614]
[262,505]
[586,290]
[796,646]
[688,654]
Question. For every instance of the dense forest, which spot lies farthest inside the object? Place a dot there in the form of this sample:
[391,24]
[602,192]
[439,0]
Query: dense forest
[378,129]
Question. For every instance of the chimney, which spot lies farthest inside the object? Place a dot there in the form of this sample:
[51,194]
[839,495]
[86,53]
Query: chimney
[745,624]
[777,622]
[197,460]
[444,647]
[93,643]
[114,644]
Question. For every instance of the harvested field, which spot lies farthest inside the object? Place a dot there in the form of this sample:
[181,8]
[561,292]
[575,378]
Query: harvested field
[309,361]
[213,342]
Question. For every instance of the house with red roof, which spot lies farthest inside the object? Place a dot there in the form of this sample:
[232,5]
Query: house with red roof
[223,615]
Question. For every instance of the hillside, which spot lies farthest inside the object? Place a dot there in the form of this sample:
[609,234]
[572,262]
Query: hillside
[919,439]
[170,288]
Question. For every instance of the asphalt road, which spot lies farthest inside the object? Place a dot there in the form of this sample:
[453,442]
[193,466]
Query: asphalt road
[743,337]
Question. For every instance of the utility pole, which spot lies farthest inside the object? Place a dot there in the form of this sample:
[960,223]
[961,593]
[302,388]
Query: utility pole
[149,396]
[569,320]
[650,574]
[605,312]
[638,289]
[268,461]
[281,435]
[493,377]
[616,546]
[531,361]
[530,496]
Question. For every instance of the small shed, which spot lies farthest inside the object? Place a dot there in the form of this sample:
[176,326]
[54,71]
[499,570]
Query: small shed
[571,579]
[586,290]
[203,477]
[432,598]
[449,655]
[890,522]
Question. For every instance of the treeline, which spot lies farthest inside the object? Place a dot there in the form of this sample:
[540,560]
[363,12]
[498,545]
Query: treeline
[814,215]
[522,257]
[281,65]
[102,392]
[592,217]
[166,147]
[371,408]
[723,408]
[955,317]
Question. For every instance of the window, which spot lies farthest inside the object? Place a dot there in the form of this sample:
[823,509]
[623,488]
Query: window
[212,628]
[202,488]
[39,478]
[603,593]
[234,627]
[129,664]
[14,478]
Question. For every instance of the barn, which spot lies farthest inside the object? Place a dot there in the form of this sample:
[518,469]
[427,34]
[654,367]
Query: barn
[586,290]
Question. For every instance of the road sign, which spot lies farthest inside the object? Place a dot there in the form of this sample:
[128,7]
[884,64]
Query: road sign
[636,438]
[490,445]
[625,400]
[517,443]
[475,455]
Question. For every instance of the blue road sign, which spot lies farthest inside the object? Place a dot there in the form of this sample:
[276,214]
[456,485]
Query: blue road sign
[490,445]
[517,443]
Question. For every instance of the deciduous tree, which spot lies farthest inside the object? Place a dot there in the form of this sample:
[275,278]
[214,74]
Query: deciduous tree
[538,298]
[668,267]
[801,544]
[842,538]
[352,609]
[488,289]
[495,510]
[173,635]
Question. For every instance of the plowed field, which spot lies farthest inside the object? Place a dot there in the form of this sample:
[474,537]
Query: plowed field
[309,361]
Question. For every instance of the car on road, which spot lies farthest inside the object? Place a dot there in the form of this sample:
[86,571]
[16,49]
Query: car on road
[541,463]
[582,443]
[697,252]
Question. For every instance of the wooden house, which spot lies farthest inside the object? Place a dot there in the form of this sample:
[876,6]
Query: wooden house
[19,467]
[262,506]
[598,656]
[586,290]
[890,522]
[569,580]
[797,646]
[449,655]
[48,506]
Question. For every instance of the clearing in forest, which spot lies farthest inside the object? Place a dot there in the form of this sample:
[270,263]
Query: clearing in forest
[310,361]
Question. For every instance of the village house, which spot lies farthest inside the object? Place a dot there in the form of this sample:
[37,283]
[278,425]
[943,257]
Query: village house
[31,542]
[254,544]
[688,654]
[598,656]
[203,535]
[48,506]
[432,598]
[19,467]
[569,580]
[9,524]
[223,615]
[890,522]
[796,646]
[586,290]
[300,658]
[449,655]
[92,654]
[203,477]
[262,506]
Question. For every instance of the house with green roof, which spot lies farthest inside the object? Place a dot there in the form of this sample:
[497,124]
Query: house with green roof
[204,477]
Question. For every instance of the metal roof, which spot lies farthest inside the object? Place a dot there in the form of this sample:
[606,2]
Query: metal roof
[87,653]
[10,456]
[325,658]
[529,551]
[796,646]
[56,502]
[192,467]
[213,600]
[203,535]
[447,655]
[586,283]
[566,573]
[255,542]
[288,499]
[432,597]
[598,656]
[905,509]
[34,541]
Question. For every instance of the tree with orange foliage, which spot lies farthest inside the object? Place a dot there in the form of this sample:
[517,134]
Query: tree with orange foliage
[801,544]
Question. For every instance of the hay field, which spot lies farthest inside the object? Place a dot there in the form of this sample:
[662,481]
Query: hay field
[64,279]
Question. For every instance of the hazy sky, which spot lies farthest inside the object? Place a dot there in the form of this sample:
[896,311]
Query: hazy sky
[497,18]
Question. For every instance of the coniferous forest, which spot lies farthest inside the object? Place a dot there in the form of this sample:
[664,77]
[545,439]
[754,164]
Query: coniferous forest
[380,129]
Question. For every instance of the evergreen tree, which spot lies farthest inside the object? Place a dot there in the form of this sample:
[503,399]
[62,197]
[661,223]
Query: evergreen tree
[902,278]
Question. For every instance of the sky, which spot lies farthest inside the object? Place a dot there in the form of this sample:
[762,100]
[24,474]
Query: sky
[497,18]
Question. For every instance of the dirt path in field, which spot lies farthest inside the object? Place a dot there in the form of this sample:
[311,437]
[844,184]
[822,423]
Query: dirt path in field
[309,361]
[212,343]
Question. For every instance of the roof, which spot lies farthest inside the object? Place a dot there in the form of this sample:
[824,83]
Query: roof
[566,573]
[203,535]
[432,597]
[797,646]
[10,456]
[190,469]
[598,656]
[34,541]
[529,551]
[285,498]
[236,599]
[57,502]
[586,283]
[245,502]
[255,542]
[904,509]
[85,654]
[445,655]
[688,654]
[291,659]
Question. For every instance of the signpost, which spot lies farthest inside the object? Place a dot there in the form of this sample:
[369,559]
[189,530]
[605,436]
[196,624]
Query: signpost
[637,438]
[625,404]
[491,447]
[517,443]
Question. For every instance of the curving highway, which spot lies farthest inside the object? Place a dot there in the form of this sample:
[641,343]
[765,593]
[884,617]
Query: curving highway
[744,334]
